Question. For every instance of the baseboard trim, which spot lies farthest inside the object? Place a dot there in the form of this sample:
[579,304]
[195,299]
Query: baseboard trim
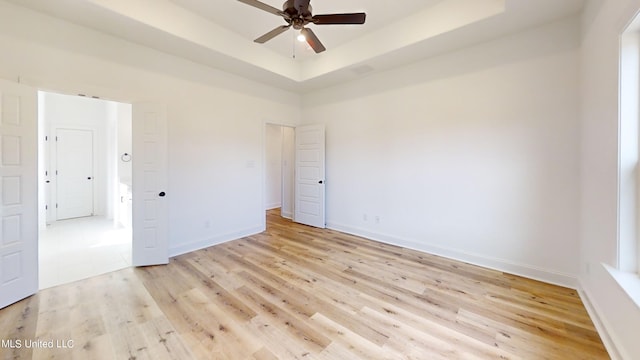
[287,215]
[219,239]
[524,270]
[601,325]
[272,206]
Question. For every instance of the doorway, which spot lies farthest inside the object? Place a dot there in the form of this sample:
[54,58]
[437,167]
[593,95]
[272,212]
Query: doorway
[86,163]
[279,168]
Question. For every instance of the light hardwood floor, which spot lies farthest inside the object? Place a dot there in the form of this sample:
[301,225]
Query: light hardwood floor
[295,292]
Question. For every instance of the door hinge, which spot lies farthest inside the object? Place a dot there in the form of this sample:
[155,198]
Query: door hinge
[56,205]
[46,207]
[46,138]
[56,138]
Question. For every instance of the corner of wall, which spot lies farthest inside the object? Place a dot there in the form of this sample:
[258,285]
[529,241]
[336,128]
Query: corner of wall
[215,240]
[599,322]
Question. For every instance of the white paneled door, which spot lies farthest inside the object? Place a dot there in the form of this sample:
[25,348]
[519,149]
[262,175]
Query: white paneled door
[74,173]
[18,193]
[309,176]
[149,157]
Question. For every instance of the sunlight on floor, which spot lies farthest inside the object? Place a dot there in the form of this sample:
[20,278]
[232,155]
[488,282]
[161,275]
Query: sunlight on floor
[76,249]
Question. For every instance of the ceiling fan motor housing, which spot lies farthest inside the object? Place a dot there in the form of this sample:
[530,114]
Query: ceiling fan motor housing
[297,17]
[302,7]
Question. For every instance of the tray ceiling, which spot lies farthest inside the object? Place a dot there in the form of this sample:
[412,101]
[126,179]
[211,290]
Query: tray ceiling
[220,33]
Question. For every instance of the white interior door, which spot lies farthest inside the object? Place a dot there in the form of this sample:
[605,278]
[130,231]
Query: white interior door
[18,191]
[149,161]
[309,176]
[74,173]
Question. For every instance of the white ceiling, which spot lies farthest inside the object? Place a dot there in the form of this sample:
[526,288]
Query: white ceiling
[220,33]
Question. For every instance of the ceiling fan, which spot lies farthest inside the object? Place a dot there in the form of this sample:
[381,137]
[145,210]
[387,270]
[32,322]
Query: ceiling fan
[297,14]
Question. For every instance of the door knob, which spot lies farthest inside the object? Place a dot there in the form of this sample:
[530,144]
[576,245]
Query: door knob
[162,194]
[89,178]
[320,182]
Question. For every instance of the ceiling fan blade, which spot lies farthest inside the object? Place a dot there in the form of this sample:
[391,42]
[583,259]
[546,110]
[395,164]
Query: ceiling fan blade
[271,34]
[340,19]
[262,6]
[313,40]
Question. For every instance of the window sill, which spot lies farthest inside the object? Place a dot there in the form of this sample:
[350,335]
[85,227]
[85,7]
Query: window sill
[629,282]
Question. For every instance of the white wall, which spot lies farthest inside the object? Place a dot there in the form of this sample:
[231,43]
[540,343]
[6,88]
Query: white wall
[603,23]
[273,166]
[124,141]
[216,120]
[122,158]
[472,155]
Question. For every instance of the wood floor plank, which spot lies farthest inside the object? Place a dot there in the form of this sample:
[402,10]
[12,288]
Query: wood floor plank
[358,346]
[263,354]
[297,292]
[18,322]
[299,330]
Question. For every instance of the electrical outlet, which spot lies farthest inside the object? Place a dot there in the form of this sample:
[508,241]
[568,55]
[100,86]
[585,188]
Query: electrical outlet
[377,219]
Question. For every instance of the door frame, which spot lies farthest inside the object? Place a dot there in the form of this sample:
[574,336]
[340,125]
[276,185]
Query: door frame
[264,171]
[263,215]
[42,127]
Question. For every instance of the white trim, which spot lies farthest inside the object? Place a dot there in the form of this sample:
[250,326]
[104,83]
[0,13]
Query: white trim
[525,270]
[601,324]
[272,206]
[211,241]
[263,175]
[629,282]
[628,244]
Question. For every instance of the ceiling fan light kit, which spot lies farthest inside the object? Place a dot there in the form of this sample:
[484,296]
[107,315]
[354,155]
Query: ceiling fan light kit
[298,14]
